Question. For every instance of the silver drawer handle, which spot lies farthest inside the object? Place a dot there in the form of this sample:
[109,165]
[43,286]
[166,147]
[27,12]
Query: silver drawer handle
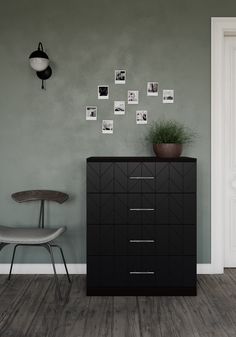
[141,241]
[142,272]
[142,209]
[141,178]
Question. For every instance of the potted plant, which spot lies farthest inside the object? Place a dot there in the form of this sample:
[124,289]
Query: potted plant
[168,138]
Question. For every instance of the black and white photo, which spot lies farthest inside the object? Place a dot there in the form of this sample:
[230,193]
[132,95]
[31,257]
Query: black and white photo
[133,96]
[91,113]
[103,92]
[120,76]
[141,117]
[168,96]
[152,88]
[107,126]
[119,107]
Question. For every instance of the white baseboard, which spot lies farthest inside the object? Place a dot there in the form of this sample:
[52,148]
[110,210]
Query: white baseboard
[42,268]
[204,268]
[74,268]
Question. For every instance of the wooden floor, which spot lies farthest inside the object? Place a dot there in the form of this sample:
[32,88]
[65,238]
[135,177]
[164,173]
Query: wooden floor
[28,307]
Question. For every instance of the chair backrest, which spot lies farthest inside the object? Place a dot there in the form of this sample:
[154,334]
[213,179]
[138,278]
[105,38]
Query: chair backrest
[42,196]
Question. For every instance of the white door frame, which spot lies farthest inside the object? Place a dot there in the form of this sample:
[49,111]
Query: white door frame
[220,27]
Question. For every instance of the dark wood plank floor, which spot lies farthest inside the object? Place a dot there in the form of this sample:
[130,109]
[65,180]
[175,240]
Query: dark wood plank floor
[29,308]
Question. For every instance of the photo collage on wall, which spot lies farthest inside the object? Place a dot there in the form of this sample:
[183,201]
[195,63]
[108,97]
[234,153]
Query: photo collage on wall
[132,98]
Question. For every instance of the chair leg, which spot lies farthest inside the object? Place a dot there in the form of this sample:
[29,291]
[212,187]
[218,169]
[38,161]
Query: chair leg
[64,261]
[49,248]
[12,261]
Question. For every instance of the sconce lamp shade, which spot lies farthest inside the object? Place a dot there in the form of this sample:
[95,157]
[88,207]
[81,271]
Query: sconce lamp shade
[39,60]
[39,63]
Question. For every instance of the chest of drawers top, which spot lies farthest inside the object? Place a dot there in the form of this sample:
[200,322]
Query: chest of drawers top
[140,159]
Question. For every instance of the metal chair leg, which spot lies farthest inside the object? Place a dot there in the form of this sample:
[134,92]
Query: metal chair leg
[49,248]
[12,261]
[64,261]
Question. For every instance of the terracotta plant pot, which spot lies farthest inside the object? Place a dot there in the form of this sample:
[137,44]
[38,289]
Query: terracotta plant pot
[168,150]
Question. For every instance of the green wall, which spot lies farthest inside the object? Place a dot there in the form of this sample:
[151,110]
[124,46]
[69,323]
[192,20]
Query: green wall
[44,137]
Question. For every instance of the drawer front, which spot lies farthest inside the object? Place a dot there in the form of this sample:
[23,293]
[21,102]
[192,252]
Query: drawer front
[141,209]
[141,177]
[144,271]
[141,240]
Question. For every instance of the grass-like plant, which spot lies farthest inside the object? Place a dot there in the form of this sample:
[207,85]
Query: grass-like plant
[170,132]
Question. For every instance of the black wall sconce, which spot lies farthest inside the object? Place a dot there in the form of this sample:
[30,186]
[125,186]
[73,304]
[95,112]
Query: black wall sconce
[39,61]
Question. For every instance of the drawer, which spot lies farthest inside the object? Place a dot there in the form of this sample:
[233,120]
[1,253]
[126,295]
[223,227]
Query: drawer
[126,208]
[141,177]
[124,271]
[145,208]
[141,271]
[141,240]
[127,240]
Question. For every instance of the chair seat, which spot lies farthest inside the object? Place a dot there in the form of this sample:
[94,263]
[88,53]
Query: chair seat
[29,235]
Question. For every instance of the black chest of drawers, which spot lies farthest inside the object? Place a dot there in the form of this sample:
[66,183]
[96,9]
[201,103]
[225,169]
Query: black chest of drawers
[141,226]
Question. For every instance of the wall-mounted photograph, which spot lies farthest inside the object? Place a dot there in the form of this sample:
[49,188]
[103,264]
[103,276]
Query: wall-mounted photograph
[168,96]
[103,92]
[91,113]
[141,117]
[107,126]
[133,96]
[120,76]
[119,107]
[152,88]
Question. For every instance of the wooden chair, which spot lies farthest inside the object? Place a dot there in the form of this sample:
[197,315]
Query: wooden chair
[43,237]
